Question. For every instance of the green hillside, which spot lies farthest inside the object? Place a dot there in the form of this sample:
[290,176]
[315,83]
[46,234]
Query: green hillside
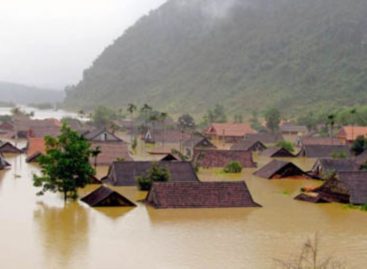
[188,55]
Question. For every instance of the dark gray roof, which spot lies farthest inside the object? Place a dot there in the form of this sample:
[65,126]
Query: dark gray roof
[124,173]
[280,169]
[104,196]
[266,138]
[200,195]
[93,135]
[356,183]
[249,145]
[277,152]
[323,151]
[336,165]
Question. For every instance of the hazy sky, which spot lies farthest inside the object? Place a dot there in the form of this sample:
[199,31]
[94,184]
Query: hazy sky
[50,42]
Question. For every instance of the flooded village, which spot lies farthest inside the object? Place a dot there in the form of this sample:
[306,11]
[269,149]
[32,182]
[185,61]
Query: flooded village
[203,216]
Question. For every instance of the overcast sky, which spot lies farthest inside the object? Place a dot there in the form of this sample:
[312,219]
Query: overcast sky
[50,42]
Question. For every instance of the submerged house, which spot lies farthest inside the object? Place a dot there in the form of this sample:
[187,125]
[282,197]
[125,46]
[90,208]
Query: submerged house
[36,147]
[345,187]
[325,141]
[277,152]
[326,166]
[200,195]
[291,129]
[110,152]
[228,132]
[323,151]
[348,134]
[25,127]
[101,135]
[125,173]
[3,163]
[249,145]
[277,169]
[361,159]
[105,197]
[197,142]
[7,147]
[210,158]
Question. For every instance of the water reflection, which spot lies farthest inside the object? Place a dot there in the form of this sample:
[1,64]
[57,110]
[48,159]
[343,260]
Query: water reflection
[63,232]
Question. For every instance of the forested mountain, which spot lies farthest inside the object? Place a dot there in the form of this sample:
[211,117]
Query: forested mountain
[21,94]
[245,54]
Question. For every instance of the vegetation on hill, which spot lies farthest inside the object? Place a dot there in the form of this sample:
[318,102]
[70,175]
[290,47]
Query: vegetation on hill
[187,56]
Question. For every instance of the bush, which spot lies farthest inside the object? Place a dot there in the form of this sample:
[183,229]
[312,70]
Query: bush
[155,174]
[233,167]
[286,145]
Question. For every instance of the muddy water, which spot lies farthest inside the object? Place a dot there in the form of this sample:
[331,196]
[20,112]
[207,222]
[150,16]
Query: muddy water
[42,232]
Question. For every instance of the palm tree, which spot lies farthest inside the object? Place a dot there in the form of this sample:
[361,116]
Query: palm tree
[162,118]
[131,108]
[95,152]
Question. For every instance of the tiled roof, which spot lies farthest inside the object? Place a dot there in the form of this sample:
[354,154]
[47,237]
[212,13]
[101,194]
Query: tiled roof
[200,195]
[249,145]
[8,147]
[323,151]
[36,146]
[265,138]
[110,152]
[350,133]
[321,141]
[208,158]
[276,152]
[230,129]
[279,169]
[293,128]
[334,165]
[105,197]
[356,183]
[124,173]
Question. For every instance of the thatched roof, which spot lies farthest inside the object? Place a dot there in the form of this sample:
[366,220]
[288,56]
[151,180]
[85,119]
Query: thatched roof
[124,173]
[277,152]
[326,165]
[7,147]
[279,169]
[200,195]
[105,197]
[323,151]
[208,158]
[249,145]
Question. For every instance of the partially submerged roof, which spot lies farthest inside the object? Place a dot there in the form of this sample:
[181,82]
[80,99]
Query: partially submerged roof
[199,141]
[3,162]
[7,147]
[325,165]
[323,151]
[361,159]
[293,128]
[356,183]
[200,195]
[105,197]
[277,169]
[36,147]
[208,158]
[249,145]
[110,152]
[277,152]
[124,173]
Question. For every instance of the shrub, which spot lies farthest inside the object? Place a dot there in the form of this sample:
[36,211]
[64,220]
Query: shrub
[155,174]
[233,167]
[286,145]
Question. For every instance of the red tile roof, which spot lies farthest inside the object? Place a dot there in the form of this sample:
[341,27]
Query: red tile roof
[36,146]
[110,152]
[350,133]
[208,158]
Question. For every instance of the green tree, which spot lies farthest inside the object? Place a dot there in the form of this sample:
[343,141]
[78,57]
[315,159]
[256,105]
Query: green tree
[359,145]
[272,118]
[102,116]
[186,122]
[156,173]
[233,167]
[65,167]
[255,123]
[286,145]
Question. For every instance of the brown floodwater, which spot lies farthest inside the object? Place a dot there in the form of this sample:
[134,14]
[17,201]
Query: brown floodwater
[43,232]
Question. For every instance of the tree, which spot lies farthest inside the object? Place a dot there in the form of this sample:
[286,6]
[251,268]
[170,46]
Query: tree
[233,167]
[217,114]
[65,167]
[286,145]
[186,122]
[155,174]
[331,123]
[238,118]
[102,116]
[131,108]
[255,123]
[359,145]
[94,153]
[272,118]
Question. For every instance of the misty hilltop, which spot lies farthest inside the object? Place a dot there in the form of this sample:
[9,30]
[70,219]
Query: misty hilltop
[21,94]
[247,55]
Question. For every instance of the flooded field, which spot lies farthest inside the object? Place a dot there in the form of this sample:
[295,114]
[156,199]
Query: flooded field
[42,232]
